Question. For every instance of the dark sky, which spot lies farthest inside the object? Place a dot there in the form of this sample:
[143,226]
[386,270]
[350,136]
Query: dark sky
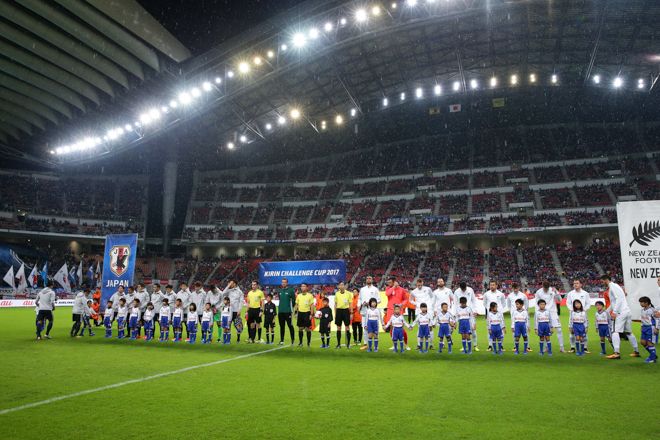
[201,24]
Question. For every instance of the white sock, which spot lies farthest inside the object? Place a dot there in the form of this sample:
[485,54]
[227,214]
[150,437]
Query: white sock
[616,342]
[474,338]
[560,338]
[584,343]
[419,342]
[431,340]
[572,339]
[633,342]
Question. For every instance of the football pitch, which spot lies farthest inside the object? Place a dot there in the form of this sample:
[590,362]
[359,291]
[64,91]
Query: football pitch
[100,388]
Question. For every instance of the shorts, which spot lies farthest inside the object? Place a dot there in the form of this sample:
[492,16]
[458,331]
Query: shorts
[45,314]
[343,317]
[253,315]
[86,320]
[520,330]
[149,325]
[444,331]
[579,330]
[544,329]
[604,331]
[648,335]
[397,334]
[176,323]
[164,321]
[107,322]
[192,326]
[464,327]
[495,332]
[77,317]
[372,327]
[324,328]
[269,321]
[206,325]
[120,322]
[305,319]
[226,323]
[623,323]
[133,322]
[554,319]
[423,331]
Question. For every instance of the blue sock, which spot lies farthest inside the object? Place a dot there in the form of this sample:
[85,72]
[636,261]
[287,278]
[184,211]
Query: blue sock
[376,343]
[465,345]
[602,346]
[371,341]
[499,344]
[517,345]
[228,338]
[541,345]
[426,346]
[549,347]
[651,349]
[440,345]
[449,344]
[401,344]
[469,345]
[39,329]
[526,344]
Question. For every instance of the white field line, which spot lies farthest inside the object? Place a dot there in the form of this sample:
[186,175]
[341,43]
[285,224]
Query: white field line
[128,382]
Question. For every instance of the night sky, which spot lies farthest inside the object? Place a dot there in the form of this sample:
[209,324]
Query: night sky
[202,24]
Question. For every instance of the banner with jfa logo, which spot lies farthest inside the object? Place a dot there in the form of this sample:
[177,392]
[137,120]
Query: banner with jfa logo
[639,234]
[297,272]
[118,264]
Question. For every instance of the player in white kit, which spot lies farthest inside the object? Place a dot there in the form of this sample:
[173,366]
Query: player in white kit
[422,294]
[550,295]
[515,295]
[620,312]
[366,293]
[464,291]
[493,295]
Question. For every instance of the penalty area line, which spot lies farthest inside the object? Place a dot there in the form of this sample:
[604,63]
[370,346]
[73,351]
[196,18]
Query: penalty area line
[142,379]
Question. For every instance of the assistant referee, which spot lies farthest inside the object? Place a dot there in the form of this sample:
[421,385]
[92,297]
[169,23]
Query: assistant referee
[343,312]
[255,311]
[304,309]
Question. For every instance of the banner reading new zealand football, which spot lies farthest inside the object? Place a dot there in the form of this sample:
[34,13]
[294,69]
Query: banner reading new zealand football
[311,272]
[118,264]
[639,236]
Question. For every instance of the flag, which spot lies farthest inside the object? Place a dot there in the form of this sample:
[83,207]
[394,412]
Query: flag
[9,278]
[79,278]
[20,276]
[44,273]
[454,108]
[498,102]
[62,277]
[90,274]
[72,276]
[32,279]
[434,111]
[98,274]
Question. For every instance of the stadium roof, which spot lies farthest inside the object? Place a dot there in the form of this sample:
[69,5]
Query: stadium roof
[330,58]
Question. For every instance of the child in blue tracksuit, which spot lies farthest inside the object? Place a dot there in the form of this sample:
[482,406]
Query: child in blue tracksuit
[543,326]
[603,325]
[134,321]
[177,320]
[149,324]
[579,325]
[397,321]
[424,320]
[520,325]
[192,323]
[446,324]
[108,317]
[650,326]
[374,316]
[466,324]
[164,314]
[496,327]
[122,312]
[207,324]
[226,315]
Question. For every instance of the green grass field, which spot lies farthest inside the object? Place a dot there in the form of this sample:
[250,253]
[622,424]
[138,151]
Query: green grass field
[301,393]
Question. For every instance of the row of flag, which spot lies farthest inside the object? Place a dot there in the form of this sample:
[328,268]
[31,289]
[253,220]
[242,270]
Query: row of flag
[63,277]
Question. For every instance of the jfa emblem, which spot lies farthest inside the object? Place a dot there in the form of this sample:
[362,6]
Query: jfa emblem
[119,259]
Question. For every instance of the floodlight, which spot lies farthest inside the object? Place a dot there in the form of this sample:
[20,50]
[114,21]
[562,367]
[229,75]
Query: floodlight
[419,92]
[230,145]
[339,119]
[295,113]
[185,98]
[457,86]
[514,79]
[313,33]
[268,126]
[437,89]
[385,102]
[207,86]
[493,82]
[281,120]
[375,10]
[473,83]
[618,82]
[243,67]
[361,15]
[243,138]
[299,40]
[328,27]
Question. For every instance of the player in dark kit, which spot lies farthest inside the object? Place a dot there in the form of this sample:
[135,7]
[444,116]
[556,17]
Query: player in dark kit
[270,311]
[326,322]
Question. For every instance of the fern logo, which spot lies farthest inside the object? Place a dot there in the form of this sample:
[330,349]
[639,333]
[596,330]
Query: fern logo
[645,233]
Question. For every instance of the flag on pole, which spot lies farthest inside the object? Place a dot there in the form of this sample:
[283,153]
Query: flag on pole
[90,274]
[32,279]
[44,273]
[498,102]
[454,108]
[22,282]
[72,276]
[9,278]
[62,277]
[98,274]
[79,278]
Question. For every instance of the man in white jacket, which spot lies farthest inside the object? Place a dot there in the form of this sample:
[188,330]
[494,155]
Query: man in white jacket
[143,296]
[184,295]
[622,316]
[493,295]
[366,293]
[517,294]
[236,298]
[119,294]
[551,296]
[423,295]
[45,302]
[79,305]
[466,292]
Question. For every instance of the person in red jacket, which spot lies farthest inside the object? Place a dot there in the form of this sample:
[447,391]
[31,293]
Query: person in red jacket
[396,295]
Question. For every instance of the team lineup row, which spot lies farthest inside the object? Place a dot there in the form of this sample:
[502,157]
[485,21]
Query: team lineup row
[441,309]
